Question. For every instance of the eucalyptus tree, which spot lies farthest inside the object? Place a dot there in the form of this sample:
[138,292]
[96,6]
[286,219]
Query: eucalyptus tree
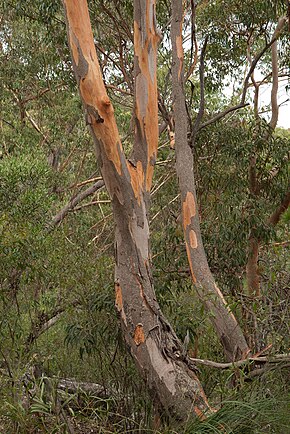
[245,39]
[151,339]
[126,68]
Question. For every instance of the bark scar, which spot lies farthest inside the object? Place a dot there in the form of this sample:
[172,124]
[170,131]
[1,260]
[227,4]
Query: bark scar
[93,114]
[139,336]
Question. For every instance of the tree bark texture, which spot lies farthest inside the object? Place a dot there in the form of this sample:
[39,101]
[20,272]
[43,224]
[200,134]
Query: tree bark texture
[229,332]
[154,345]
[253,278]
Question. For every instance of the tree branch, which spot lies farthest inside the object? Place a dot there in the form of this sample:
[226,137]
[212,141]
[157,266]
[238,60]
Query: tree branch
[70,385]
[44,322]
[260,371]
[274,91]
[193,41]
[262,359]
[74,202]
[242,103]
[8,123]
[275,36]
[226,326]
[201,104]
[35,126]
[275,217]
[222,114]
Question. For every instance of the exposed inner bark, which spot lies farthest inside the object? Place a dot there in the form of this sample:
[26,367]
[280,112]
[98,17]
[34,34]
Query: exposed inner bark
[157,351]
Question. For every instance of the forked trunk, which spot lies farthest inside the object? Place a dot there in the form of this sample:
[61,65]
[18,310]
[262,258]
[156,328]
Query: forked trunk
[156,349]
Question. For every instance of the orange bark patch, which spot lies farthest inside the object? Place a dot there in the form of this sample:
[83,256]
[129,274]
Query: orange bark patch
[190,262]
[172,139]
[199,413]
[139,336]
[91,85]
[119,297]
[150,170]
[193,239]
[188,209]
[137,179]
[146,89]
[107,130]
[106,102]
[179,49]
[78,14]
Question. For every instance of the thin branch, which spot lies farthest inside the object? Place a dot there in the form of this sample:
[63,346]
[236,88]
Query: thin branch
[242,103]
[94,202]
[41,327]
[193,42]
[274,91]
[87,181]
[165,206]
[67,160]
[262,359]
[283,102]
[222,114]
[282,244]
[41,93]
[118,89]
[264,369]
[256,86]
[268,79]
[8,123]
[35,126]
[74,202]
[201,104]
[275,36]
[108,57]
[44,327]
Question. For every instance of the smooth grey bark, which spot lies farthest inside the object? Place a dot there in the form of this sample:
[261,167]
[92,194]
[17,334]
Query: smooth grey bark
[229,332]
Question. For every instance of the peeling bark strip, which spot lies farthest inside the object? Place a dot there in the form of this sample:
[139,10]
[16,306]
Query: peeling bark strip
[146,39]
[226,326]
[97,105]
[139,336]
[154,345]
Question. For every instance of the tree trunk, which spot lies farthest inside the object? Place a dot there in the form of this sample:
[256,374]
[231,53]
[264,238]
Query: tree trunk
[152,342]
[253,278]
[230,334]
